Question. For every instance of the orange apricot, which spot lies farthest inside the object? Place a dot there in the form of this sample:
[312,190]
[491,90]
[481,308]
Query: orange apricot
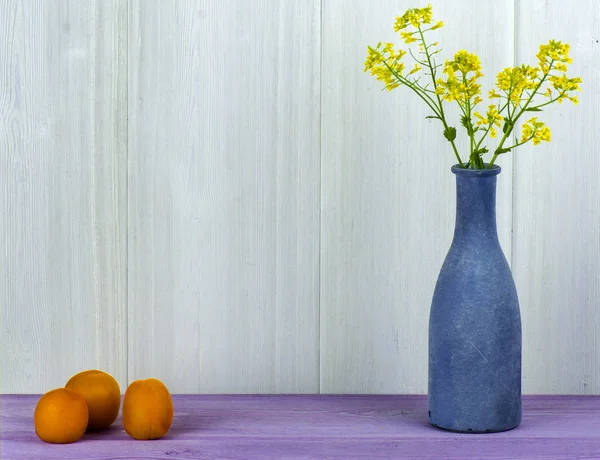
[147,409]
[61,416]
[102,395]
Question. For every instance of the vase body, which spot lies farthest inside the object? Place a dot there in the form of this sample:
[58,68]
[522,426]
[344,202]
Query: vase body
[475,322]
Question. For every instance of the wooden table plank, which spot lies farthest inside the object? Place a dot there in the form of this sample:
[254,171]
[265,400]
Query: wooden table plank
[317,426]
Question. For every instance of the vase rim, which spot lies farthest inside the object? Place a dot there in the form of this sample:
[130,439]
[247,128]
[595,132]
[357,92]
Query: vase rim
[493,171]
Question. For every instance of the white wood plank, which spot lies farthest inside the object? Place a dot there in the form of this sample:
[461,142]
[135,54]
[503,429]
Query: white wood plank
[62,184]
[389,196]
[557,218]
[224,195]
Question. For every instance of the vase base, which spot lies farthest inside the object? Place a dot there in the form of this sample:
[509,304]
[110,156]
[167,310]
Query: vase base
[473,431]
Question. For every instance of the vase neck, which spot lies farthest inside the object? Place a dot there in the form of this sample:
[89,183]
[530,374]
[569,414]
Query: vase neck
[476,208]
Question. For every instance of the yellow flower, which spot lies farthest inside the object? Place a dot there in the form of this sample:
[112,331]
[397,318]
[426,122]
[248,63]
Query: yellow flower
[493,94]
[408,37]
[463,62]
[560,66]
[553,52]
[481,120]
[459,82]
[562,84]
[416,68]
[414,17]
[536,131]
[383,62]
[492,117]
[514,80]
[461,87]
[555,56]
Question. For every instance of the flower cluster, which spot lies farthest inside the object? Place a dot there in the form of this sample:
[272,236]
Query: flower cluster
[535,131]
[492,118]
[554,54]
[518,89]
[459,86]
[385,65]
[514,81]
[414,17]
[562,84]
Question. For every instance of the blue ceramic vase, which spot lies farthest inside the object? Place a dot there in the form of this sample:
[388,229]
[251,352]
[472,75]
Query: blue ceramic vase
[475,323]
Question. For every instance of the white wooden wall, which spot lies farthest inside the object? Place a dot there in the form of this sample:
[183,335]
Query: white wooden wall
[63,192]
[213,193]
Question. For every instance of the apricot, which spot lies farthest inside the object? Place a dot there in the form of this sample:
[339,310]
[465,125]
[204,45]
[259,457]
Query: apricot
[61,416]
[147,409]
[102,395]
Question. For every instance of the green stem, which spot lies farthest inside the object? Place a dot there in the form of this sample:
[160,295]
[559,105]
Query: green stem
[416,88]
[550,101]
[488,129]
[418,61]
[469,126]
[439,99]
[521,143]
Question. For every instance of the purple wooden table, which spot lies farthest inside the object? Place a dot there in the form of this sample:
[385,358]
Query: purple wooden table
[324,426]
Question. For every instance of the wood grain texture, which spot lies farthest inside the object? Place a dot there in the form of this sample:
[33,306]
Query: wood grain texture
[224,195]
[388,196]
[235,285]
[325,426]
[557,218]
[62,185]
